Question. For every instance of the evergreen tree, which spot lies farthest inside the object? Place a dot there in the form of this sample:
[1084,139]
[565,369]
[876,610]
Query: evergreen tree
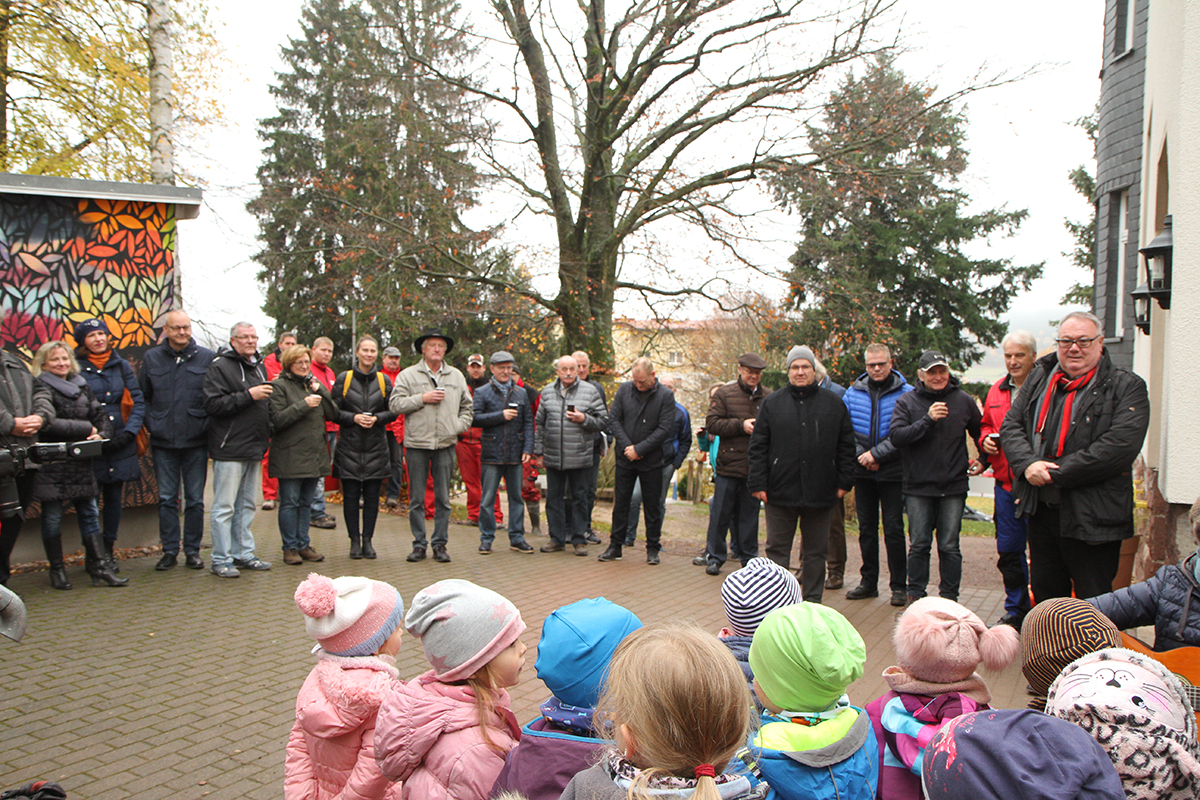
[884,228]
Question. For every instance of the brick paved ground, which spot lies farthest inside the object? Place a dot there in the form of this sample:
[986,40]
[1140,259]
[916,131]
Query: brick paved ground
[182,684]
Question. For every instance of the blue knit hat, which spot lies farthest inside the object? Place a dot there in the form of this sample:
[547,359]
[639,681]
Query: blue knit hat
[578,642]
[87,326]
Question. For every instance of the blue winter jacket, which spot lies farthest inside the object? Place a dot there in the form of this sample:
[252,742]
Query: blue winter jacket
[120,459]
[503,441]
[847,769]
[871,415]
[173,385]
[1170,599]
[676,448]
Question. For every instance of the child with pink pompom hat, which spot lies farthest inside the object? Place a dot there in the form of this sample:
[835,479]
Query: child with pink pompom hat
[357,623]
[939,645]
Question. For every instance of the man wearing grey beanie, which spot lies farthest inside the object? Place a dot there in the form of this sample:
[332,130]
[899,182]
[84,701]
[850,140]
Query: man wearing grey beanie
[801,464]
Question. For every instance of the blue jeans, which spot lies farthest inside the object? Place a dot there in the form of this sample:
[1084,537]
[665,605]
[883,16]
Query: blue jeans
[235,494]
[420,464]
[489,482]
[186,467]
[924,515]
[566,504]
[1011,535]
[295,511]
[318,497]
[635,502]
[85,508]
[733,509]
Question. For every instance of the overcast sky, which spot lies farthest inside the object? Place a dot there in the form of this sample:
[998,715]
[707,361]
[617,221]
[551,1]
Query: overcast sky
[1021,139]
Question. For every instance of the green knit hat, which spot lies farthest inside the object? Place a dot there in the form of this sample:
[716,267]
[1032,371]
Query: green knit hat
[805,655]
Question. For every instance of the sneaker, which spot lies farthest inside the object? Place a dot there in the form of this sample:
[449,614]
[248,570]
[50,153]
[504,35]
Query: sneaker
[393,503]
[591,538]
[713,568]
[440,555]
[581,549]
[899,599]
[310,554]
[861,592]
[652,558]
[254,563]
[700,560]
[553,547]
[521,547]
[269,505]
[194,561]
[225,571]
[417,554]
[613,553]
[327,522]
[485,549]
[167,561]
[292,557]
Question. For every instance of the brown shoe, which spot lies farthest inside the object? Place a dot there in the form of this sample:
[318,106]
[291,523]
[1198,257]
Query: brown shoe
[552,547]
[581,549]
[833,582]
[292,557]
[310,554]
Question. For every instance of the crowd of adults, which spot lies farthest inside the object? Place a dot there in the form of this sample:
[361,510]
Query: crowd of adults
[1059,433]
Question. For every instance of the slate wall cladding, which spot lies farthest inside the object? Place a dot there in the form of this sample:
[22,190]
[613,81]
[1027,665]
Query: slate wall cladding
[1118,168]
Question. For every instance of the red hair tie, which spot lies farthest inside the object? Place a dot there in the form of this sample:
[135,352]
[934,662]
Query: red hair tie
[705,771]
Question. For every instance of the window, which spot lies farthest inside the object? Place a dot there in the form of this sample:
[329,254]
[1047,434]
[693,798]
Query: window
[1123,39]
[674,358]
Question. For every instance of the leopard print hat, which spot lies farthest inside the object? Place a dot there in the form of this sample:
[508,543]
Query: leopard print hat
[1139,713]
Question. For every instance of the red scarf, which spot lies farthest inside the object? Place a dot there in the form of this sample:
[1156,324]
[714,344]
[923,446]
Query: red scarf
[1072,386]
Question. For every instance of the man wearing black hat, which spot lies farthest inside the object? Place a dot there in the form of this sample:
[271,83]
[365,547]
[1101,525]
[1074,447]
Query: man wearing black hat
[929,426]
[436,404]
[731,416]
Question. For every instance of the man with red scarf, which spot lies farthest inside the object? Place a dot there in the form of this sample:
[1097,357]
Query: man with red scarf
[1071,437]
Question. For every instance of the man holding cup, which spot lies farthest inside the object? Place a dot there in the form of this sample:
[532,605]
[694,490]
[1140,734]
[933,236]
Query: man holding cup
[503,413]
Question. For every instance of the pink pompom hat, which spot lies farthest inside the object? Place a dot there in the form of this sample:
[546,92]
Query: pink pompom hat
[349,616]
[940,641]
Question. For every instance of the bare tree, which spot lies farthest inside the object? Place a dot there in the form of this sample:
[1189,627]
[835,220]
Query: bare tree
[656,113]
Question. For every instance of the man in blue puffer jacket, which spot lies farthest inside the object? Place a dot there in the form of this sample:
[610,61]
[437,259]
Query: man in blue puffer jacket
[502,410]
[877,475]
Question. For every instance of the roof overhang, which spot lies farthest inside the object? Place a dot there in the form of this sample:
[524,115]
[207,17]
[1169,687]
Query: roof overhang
[186,201]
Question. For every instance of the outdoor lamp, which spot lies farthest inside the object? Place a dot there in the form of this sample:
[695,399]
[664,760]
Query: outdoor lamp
[1141,308]
[1158,265]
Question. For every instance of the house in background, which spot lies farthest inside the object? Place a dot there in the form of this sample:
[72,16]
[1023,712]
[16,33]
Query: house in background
[1151,303]
[74,249]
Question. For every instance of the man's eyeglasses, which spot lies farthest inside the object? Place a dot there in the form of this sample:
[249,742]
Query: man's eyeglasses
[179,327]
[1084,342]
[245,337]
[883,365]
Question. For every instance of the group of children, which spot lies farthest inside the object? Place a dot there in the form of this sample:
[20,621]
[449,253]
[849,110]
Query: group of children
[757,711]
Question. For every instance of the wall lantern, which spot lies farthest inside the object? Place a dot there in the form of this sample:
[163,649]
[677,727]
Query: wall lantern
[1141,308]
[1158,265]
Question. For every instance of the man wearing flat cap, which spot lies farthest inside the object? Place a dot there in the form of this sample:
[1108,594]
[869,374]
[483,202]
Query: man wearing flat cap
[732,412]
[469,446]
[929,427]
[436,404]
[503,414]
[801,461]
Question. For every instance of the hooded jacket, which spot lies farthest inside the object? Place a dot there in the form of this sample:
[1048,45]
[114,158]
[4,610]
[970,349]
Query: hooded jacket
[428,736]
[871,414]
[1094,481]
[846,768]
[731,406]
[173,386]
[362,454]
[903,723]
[298,448]
[435,426]
[565,444]
[76,412]
[548,756]
[331,749]
[934,452]
[109,383]
[239,426]
[1170,599]
[597,783]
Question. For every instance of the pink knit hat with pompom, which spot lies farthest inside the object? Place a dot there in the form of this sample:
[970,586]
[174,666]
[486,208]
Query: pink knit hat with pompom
[349,616]
[940,641]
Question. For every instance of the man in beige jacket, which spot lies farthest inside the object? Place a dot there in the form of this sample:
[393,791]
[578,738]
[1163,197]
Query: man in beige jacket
[437,407]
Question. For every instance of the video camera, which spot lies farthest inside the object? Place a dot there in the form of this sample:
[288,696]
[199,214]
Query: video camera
[12,464]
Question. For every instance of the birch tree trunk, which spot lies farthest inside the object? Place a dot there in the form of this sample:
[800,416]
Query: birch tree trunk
[162,97]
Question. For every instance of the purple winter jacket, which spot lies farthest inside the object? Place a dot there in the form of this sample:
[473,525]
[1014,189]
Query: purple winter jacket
[545,760]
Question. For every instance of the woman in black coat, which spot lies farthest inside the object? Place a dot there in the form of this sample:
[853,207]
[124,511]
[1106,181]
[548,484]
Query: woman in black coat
[78,416]
[361,459]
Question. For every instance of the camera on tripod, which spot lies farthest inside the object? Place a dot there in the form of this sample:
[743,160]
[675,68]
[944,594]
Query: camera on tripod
[13,459]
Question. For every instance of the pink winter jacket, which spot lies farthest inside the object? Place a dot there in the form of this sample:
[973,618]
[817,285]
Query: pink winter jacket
[428,736]
[331,752]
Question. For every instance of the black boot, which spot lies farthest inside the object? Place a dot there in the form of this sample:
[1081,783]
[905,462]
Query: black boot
[109,560]
[58,570]
[356,547]
[93,549]
[367,550]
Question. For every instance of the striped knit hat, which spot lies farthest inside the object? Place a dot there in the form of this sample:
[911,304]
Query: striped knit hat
[754,591]
[349,616]
[1057,632]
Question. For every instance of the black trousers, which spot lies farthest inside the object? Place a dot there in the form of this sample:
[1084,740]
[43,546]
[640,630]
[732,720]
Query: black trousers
[624,479]
[875,501]
[10,527]
[1057,563]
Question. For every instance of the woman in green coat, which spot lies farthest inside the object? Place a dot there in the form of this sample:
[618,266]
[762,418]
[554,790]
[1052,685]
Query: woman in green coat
[298,457]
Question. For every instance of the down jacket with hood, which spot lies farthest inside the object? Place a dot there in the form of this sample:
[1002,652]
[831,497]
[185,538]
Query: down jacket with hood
[76,412]
[239,427]
[331,749]
[565,444]
[844,768]
[1170,599]
[428,736]
[362,454]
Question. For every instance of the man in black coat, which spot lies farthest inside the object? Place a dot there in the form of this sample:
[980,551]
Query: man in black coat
[801,462]
[641,418]
[1071,436]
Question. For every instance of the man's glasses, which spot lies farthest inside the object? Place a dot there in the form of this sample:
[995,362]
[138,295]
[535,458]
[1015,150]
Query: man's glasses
[1084,342]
